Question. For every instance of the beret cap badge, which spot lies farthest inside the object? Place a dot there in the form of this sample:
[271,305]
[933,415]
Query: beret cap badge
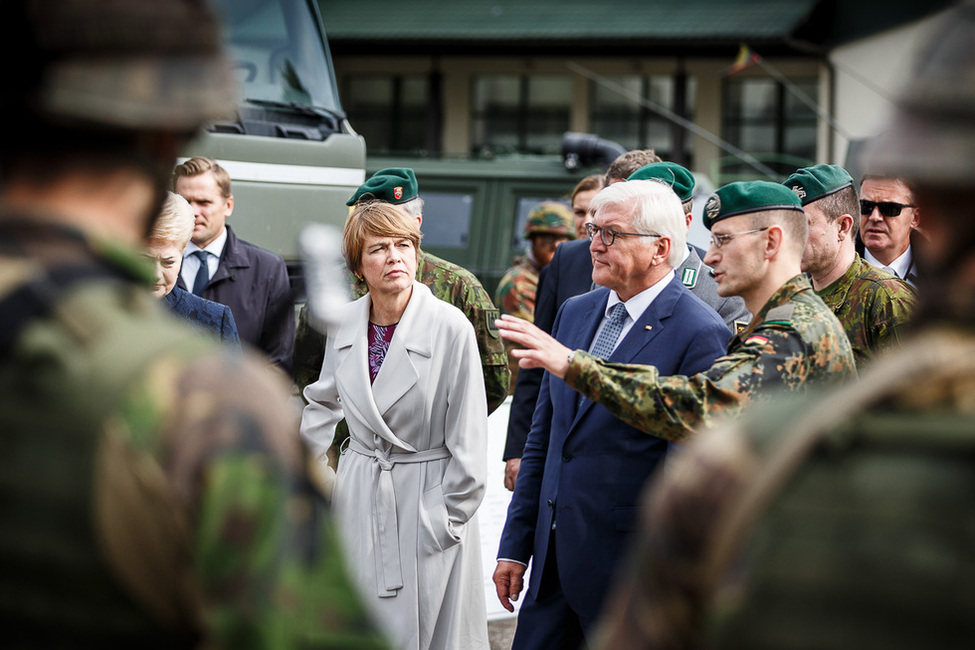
[713,207]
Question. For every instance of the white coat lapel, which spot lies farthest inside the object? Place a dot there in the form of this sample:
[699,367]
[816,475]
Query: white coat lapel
[352,374]
[413,335]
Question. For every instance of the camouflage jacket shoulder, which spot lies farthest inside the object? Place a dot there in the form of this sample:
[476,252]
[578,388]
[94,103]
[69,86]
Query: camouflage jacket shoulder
[860,445]
[516,290]
[872,305]
[793,341]
[194,452]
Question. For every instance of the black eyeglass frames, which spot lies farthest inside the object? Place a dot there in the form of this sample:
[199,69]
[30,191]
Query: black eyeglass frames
[608,235]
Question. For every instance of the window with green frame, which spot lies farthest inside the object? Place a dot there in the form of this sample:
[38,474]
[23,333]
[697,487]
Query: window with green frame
[519,113]
[390,111]
[767,119]
[636,125]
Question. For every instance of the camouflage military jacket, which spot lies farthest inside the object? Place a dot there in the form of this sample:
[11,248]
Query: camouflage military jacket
[872,305]
[449,283]
[516,296]
[793,340]
[160,472]
[516,290]
[833,519]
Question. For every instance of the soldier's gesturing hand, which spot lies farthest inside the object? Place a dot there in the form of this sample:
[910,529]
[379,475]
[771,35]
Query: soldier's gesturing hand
[539,349]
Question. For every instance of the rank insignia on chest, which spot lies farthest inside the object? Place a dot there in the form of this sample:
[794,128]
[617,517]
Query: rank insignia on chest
[689,278]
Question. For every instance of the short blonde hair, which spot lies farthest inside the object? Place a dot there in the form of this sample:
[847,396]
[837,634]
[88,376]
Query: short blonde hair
[379,219]
[175,221]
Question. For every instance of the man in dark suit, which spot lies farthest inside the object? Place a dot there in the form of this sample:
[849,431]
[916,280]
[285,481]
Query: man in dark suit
[570,274]
[219,266]
[575,500]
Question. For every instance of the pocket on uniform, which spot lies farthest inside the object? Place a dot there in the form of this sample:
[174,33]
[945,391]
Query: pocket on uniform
[435,524]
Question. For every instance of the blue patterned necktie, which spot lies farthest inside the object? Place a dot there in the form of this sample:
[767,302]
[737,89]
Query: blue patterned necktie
[606,341]
[202,274]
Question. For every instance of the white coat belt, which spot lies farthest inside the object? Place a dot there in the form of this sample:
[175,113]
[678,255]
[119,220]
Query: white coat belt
[385,528]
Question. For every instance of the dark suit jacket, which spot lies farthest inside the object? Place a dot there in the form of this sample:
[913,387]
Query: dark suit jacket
[253,282]
[216,319]
[585,465]
[569,274]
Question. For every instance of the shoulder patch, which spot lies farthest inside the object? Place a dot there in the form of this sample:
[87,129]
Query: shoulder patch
[491,315]
[756,339]
[782,313]
[689,277]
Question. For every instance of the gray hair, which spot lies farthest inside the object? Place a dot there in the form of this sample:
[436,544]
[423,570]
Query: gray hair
[413,207]
[653,208]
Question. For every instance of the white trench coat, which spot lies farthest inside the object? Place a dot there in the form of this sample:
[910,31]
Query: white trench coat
[409,486]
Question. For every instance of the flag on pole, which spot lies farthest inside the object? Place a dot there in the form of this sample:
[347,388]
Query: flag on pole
[746,59]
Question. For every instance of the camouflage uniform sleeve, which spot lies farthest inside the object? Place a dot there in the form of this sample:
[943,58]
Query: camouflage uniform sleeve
[673,407]
[659,601]
[474,301]
[263,547]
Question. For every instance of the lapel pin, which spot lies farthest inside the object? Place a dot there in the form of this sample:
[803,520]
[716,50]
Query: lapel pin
[648,327]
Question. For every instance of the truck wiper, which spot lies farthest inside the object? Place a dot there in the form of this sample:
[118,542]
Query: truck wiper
[302,109]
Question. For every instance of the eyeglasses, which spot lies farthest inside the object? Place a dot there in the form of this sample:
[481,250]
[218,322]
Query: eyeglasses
[887,208]
[721,240]
[608,235]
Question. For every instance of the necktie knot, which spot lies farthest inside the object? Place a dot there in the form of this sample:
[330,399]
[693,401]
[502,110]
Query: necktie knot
[606,341]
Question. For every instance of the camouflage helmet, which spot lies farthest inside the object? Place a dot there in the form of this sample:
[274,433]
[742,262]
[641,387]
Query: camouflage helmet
[123,65]
[932,138]
[550,217]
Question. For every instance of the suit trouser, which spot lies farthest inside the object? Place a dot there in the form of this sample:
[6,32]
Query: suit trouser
[546,621]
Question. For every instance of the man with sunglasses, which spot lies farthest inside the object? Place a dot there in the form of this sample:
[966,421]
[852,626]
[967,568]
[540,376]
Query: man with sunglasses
[872,304]
[888,220]
[582,470]
[758,233]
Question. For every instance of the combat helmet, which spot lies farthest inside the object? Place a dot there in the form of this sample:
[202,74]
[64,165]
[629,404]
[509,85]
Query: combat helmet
[550,218]
[124,65]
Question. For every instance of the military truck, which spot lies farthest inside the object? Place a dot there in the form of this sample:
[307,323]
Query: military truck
[290,150]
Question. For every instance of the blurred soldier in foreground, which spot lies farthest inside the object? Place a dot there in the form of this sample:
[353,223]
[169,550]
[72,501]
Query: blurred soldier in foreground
[872,305]
[842,520]
[758,232]
[449,282]
[548,225]
[155,492]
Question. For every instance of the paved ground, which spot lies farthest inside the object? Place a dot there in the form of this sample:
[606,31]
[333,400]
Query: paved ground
[500,633]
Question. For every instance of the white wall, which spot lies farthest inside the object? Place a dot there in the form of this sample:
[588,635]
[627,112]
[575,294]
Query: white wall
[869,74]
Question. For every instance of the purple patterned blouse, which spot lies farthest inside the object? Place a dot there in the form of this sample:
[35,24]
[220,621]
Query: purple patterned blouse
[379,338]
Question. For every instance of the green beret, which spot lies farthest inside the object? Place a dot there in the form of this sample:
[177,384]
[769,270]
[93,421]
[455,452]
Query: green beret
[671,173]
[393,185]
[745,197]
[813,183]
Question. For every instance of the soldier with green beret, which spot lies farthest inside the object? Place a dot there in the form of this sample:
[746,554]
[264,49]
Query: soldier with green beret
[758,232]
[692,271]
[841,519]
[155,490]
[872,305]
[449,282]
[548,225]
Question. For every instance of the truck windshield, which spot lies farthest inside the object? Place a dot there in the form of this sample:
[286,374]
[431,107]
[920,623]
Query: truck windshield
[280,58]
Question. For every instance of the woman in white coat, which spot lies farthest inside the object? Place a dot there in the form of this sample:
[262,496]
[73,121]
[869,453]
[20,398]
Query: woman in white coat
[404,370]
